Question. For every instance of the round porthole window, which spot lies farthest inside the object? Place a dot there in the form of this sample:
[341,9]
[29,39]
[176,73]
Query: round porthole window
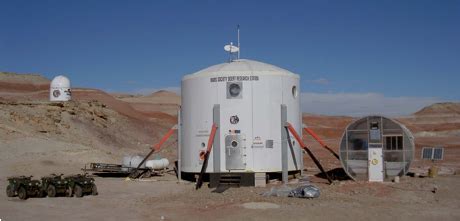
[234,90]
[56,93]
[294,91]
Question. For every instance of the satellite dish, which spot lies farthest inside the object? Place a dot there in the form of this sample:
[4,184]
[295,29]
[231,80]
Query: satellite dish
[231,48]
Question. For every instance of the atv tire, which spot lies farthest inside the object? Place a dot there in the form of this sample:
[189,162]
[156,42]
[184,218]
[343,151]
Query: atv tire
[94,190]
[78,191]
[22,193]
[9,191]
[51,191]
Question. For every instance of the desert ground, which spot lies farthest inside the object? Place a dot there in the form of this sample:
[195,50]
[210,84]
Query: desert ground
[38,138]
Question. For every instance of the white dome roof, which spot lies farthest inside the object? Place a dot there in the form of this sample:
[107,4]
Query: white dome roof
[242,66]
[60,81]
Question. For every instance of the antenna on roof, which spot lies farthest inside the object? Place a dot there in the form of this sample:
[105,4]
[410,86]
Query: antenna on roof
[238,28]
[233,51]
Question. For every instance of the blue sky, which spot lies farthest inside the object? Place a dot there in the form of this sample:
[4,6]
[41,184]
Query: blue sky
[397,52]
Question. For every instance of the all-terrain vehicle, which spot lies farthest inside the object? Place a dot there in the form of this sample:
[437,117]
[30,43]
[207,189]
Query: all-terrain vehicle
[54,185]
[81,184]
[23,187]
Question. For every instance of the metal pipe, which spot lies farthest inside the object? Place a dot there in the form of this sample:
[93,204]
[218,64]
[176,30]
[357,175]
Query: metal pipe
[239,49]
[284,148]
[179,143]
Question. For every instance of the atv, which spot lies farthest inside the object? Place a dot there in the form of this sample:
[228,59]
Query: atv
[23,187]
[54,185]
[81,184]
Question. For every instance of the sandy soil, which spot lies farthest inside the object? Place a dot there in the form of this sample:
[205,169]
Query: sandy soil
[157,102]
[165,199]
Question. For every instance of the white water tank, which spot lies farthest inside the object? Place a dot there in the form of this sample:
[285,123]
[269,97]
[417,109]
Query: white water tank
[244,97]
[157,164]
[133,161]
[60,89]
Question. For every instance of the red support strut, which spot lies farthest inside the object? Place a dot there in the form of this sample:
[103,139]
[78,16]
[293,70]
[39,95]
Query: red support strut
[314,135]
[302,144]
[199,182]
[157,146]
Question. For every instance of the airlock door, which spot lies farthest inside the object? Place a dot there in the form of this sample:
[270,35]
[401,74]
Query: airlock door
[235,158]
[375,163]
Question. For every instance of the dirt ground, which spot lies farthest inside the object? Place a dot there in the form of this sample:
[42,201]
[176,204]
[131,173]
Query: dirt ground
[163,198]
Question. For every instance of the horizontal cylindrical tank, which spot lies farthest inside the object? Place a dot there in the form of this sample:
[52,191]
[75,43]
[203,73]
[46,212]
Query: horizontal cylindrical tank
[132,161]
[157,164]
[376,148]
[60,89]
[244,98]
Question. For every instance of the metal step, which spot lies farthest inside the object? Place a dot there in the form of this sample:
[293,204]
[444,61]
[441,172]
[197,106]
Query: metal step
[231,179]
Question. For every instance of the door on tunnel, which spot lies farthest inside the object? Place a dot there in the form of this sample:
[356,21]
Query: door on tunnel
[375,164]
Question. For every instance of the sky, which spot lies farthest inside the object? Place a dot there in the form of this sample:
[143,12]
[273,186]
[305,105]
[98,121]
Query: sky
[354,57]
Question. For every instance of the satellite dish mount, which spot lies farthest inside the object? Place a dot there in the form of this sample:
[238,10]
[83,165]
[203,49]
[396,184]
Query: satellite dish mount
[233,51]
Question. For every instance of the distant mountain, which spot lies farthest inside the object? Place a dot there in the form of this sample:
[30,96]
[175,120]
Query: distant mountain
[161,101]
[23,78]
[448,108]
[13,82]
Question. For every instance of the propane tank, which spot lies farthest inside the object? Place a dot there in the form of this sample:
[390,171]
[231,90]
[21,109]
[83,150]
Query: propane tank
[133,161]
[157,164]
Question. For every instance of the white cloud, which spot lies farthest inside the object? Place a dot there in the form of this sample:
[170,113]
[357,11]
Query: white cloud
[355,104]
[322,81]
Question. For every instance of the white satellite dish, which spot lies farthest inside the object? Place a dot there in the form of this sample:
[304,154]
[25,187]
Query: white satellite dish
[231,48]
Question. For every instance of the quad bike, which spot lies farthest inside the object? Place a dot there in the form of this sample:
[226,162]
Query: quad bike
[23,187]
[54,185]
[81,184]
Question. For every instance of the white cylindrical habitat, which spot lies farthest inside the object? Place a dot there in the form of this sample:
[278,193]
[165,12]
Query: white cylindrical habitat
[244,98]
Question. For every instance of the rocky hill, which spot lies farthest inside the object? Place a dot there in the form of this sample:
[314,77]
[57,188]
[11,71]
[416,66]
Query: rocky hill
[13,83]
[440,109]
[159,102]
[93,127]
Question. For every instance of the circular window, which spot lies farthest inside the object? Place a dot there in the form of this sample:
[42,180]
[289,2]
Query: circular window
[234,119]
[56,93]
[234,90]
[294,91]
[234,143]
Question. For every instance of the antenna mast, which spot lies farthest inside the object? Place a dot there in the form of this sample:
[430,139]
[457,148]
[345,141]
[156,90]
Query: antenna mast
[238,28]
[233,51]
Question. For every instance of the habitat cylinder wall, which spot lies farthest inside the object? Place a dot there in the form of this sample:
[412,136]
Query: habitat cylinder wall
[244,99]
